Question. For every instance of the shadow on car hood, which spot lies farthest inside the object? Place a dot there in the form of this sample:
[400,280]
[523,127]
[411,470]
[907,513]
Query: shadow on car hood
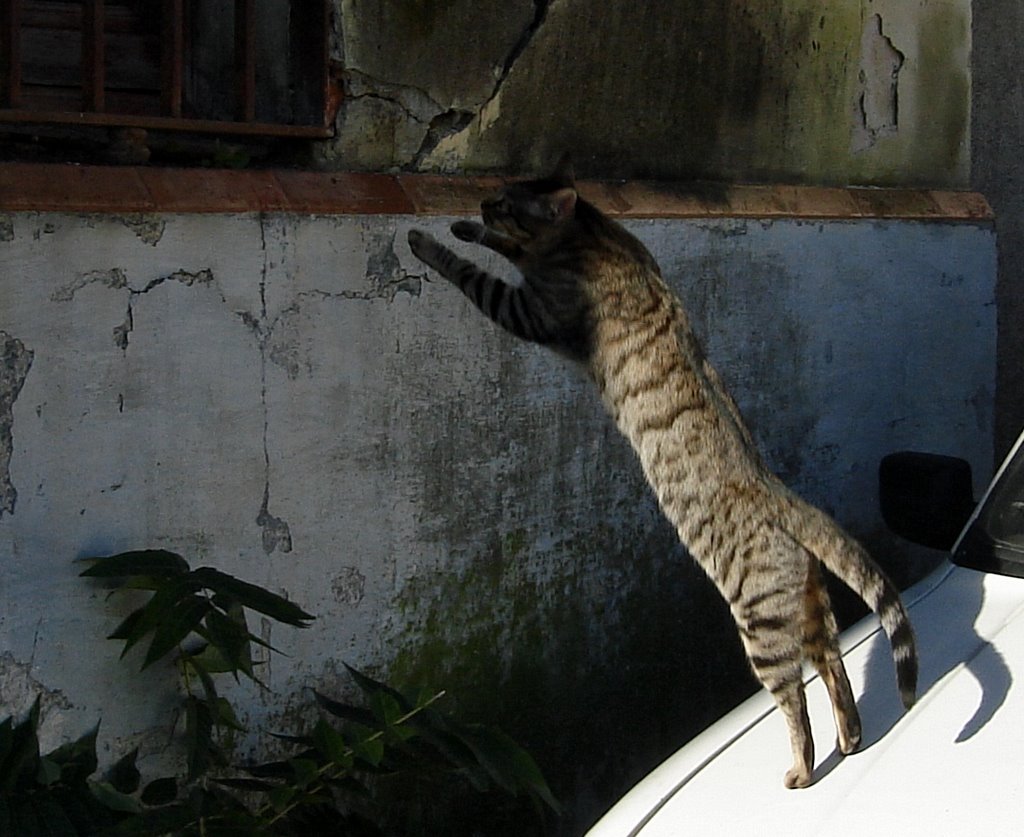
[950,765]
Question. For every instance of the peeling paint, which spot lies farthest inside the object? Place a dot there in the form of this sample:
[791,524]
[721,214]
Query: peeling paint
[149,228]
[113,278]
[15,362]
[19,688]
[348,586]
[283,346]
[878,95]
[441,127]
[276,533]
[386,275]
[188,278]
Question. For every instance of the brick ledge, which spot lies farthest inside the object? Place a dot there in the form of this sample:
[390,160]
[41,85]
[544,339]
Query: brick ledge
[55,187]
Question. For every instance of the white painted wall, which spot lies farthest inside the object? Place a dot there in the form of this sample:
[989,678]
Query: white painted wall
[286,398]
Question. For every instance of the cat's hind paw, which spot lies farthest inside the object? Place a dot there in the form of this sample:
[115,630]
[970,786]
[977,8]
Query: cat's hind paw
[469,231]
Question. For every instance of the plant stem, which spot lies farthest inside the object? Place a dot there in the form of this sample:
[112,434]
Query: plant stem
[332,770]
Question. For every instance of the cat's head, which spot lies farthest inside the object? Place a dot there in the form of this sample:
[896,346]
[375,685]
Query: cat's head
[524,210]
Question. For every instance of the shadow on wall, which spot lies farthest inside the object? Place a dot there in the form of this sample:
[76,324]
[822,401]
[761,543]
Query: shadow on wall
[711,54]
[601,672]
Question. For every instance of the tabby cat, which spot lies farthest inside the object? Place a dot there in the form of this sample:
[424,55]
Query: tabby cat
[593,292]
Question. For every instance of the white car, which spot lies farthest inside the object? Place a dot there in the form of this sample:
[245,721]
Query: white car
[952,765]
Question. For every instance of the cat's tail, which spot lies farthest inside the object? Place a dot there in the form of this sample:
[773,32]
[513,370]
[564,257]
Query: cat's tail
[848,560]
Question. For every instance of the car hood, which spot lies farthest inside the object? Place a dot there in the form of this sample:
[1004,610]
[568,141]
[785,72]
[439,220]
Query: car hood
[951,765]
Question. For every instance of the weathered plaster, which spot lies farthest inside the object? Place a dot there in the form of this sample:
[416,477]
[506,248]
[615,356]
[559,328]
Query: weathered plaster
[878,98]
[15,362]
[997,138]
[299,403]
[733,90]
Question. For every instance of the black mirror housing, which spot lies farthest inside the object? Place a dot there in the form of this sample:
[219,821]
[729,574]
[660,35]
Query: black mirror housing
[925,497]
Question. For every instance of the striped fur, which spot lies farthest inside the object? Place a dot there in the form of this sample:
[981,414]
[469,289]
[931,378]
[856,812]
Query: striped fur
[592,292]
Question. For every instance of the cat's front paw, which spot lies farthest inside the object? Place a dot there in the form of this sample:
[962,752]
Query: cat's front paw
[469,231]
[422,244]
[425,248]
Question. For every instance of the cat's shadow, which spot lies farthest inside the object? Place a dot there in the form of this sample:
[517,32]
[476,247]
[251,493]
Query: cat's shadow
[940,651]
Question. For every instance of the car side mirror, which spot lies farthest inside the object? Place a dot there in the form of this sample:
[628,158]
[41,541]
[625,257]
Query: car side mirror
[926,498]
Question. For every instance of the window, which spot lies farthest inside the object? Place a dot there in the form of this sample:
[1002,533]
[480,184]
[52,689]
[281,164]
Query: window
[257,67]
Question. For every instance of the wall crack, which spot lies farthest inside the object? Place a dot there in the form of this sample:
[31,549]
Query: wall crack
[276,534]
[453,122]
[417,104]
[15,362]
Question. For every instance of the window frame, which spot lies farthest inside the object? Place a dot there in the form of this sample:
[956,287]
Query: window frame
[309,74]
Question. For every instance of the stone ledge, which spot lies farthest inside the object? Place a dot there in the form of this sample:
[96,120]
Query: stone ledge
[55,187]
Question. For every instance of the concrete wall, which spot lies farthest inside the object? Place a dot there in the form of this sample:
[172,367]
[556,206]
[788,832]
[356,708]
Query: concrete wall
[872,91]
[997,130]
[287,398]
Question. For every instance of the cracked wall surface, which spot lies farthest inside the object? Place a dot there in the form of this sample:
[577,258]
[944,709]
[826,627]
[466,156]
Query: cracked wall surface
[15,362]
[295,400]
[732,90]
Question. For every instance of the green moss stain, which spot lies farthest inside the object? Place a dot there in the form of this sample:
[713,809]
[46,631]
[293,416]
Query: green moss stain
[942,89]
[606,649]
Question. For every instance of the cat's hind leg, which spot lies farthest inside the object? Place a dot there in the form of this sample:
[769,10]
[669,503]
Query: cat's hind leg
[774,645]
[822,648]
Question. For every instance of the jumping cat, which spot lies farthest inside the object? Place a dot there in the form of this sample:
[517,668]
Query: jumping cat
[592,292]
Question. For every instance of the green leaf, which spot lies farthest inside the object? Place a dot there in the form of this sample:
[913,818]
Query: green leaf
[22,762]
[48,772]
[53,822]
[246,784]
[170,819]
[371,686]
[128,626]
[178,623]
[156,563]
[123,775]
[305,772]
[209,686]
[210,660]
[159,609]
[77,759]
[331,744]
[253,597]
[6,736]
[229,634]
[160,791]
[508,764]
[199,746]
[346,712]
[280,797]
[370,750]
[110,797]
[226,717]
[385,708]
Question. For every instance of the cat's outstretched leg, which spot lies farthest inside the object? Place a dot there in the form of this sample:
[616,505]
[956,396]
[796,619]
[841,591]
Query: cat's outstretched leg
[476,233]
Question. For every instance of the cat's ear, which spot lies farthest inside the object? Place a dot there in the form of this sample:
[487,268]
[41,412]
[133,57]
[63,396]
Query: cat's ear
[564,174]
[563,203]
